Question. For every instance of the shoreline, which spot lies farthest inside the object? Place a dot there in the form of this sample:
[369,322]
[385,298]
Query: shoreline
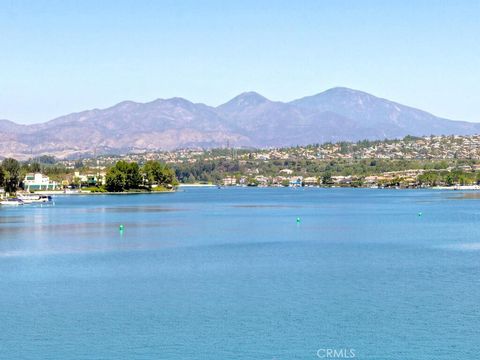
[197,185]
[101,193]
[183,186]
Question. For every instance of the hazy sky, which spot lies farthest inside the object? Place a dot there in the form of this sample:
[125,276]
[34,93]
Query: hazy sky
[57,57]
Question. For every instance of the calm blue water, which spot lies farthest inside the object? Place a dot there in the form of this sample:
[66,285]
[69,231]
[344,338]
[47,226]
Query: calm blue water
[229,274]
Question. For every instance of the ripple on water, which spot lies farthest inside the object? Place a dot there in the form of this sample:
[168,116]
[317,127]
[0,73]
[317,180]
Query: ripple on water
[475,246]
[132,209]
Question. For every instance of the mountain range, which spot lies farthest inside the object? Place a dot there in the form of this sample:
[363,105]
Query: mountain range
[248,120]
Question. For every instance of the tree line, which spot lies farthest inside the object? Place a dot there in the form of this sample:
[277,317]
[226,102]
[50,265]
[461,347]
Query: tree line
[449,178]
[125,176]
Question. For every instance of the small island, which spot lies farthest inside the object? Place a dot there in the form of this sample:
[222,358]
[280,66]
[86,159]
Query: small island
[129,176]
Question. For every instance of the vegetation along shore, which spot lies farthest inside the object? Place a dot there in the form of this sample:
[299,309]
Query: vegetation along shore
[45,175]
[411,162]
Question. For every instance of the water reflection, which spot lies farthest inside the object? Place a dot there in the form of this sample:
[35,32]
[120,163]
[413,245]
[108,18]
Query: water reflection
[465,196]
[130,209]
[260,206]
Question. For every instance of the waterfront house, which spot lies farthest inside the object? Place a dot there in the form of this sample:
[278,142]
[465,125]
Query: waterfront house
[342,180]
[229,181]
[310,181]
[280,180]
[369,180]
[262,180]
[296,181]
[90,179]
[38,181]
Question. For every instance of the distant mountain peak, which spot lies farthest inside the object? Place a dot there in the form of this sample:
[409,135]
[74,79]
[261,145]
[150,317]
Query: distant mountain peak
[125,105]
[249,98]
[346,90]
[174,101]
[340,92]
[178,100]
[339,99]
[342,89]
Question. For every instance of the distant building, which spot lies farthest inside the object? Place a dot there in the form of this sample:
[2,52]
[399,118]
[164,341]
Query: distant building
[262,180]
[37,181]
[279,180]
[90,179]
[229,181]
[263,157]
[342,180]
[311,180]
[296,181]
[465,168]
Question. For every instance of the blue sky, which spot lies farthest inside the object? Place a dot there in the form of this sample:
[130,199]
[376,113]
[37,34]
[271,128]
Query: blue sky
[59,57]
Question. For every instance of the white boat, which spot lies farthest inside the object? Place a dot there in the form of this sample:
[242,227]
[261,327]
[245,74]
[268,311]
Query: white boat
[29,199]
[11,202]
[71,191]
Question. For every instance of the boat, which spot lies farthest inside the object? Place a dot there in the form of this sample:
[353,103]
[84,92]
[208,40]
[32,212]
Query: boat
[11,202]
[29,199]
[71,191]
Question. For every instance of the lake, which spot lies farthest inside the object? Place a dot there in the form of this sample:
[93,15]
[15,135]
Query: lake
[209,273]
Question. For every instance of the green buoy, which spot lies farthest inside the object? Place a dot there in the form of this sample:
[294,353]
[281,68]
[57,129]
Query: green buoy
[420,213]
[298,220]
[121,227]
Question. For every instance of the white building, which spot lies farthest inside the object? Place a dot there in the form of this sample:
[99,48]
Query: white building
[286,171]
[262,180]
[90,179]
[38,181]
[229,181]
[311,180]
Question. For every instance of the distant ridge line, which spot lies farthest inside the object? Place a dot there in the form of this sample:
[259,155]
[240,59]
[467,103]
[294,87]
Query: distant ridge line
[247,120]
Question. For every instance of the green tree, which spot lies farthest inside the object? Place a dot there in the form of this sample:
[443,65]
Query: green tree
[152,172]
[158,173]
[327,178]
[452,178]
[35,167]
[78,164]
[115,180]
[358,182]
[430,178]
[46,159]
[123,176]
[11,168]
[133,178]
[2,177]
